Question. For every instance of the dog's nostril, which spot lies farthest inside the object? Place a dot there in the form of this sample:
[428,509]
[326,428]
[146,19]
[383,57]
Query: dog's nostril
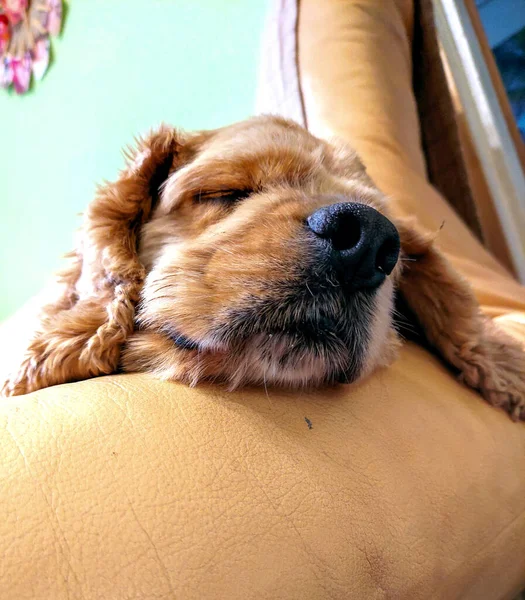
[387,256]
[348,233]
[342,228]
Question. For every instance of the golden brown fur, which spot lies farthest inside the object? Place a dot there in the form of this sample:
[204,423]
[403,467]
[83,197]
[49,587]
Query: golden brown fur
[194,263]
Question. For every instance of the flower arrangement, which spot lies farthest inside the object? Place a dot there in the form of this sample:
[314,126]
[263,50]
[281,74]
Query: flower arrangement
[25,30]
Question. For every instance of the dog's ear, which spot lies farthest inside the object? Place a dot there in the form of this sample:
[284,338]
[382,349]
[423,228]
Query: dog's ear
[81,333]
[448,313]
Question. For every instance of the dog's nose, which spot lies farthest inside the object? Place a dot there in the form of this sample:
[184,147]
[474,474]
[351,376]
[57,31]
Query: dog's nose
[364,244]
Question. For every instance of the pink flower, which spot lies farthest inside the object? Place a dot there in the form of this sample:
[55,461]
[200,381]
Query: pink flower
[14,9]
[35,21]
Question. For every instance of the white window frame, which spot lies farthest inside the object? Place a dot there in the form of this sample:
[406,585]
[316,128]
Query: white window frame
[490,134]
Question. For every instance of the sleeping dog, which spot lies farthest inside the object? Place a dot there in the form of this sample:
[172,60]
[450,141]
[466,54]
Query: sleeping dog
[256,253]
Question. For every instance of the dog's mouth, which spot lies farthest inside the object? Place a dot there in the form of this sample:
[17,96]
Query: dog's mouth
[292,338]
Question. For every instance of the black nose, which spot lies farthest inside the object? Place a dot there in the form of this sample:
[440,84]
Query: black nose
[363,244]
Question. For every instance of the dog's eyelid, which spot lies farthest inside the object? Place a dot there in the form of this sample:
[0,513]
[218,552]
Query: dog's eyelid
[229,196]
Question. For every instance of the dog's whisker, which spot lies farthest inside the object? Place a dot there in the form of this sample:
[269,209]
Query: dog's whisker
[308,288]
[266,388]
[332,282]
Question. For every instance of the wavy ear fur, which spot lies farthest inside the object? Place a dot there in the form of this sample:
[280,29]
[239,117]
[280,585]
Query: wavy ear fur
[80,334]
[444,305]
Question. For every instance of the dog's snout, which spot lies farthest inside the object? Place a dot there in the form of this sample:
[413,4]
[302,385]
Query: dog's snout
[364,244]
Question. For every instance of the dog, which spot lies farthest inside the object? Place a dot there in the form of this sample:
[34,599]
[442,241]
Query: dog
[256,254]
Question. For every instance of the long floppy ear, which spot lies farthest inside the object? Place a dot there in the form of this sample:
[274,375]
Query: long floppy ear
[444,305]
[80,334]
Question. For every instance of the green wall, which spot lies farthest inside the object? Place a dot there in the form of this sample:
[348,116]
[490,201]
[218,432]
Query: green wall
[120,67]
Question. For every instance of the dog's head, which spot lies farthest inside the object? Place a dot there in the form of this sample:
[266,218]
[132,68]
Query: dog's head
[269,259]
[256,253]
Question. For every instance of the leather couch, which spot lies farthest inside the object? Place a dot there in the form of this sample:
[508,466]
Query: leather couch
[405,486]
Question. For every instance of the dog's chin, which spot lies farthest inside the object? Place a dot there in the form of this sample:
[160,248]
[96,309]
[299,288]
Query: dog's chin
[283,359]
[299,340]
[277,351]
[288,360]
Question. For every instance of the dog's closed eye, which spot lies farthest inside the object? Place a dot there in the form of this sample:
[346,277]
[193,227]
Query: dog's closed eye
[223,196]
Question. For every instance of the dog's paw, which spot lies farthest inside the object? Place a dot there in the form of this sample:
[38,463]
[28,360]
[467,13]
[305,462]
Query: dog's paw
[495,366]
[499,388]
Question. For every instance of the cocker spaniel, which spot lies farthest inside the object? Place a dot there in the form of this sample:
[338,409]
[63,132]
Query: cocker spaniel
[256,253]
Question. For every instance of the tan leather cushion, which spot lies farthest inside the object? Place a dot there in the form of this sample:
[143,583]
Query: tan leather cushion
[407,486]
